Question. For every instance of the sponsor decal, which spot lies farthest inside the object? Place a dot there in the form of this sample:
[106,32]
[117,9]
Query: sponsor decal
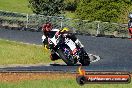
[99,78]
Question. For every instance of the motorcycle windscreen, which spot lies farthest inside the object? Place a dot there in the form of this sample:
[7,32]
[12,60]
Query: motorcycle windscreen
[71,44]
[54,40]
[51,34]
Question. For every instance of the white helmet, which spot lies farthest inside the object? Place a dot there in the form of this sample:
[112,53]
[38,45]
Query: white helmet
[130,15]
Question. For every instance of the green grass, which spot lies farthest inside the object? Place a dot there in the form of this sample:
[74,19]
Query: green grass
[19,53]
[62,83]
[15,6]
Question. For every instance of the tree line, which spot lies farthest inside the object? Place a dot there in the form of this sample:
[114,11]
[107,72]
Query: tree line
[92,10]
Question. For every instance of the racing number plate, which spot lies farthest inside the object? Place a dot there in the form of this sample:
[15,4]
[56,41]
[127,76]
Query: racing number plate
[70,43]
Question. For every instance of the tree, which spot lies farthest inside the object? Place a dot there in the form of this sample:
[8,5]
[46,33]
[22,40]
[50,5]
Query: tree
[102,10]
[71,5]
[47,7]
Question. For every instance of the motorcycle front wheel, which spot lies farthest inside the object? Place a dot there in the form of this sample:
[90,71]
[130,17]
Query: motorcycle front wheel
[84,58]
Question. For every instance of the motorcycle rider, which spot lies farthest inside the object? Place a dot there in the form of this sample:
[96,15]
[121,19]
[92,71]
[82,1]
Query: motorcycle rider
[130,25]
[47,32]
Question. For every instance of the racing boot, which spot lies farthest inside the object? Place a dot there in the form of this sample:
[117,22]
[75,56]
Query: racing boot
[79,43]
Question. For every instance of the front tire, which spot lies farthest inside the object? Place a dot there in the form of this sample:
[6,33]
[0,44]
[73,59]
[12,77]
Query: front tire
[84,58]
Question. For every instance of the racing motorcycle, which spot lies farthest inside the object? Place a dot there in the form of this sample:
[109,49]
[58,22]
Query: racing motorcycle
[66,49]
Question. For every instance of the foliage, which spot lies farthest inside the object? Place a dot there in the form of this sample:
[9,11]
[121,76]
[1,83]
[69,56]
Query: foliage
[103,10]
[71,5]
[47,7]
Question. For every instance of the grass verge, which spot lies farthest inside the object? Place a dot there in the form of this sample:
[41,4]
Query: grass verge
[19,53]
[15,6]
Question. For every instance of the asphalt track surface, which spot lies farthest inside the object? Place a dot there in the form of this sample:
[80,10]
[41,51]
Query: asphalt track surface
[115,53]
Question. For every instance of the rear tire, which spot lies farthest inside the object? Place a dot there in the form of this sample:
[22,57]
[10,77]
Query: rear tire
[65,59]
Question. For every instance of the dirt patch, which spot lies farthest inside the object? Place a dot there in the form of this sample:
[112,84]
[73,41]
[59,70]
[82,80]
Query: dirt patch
[16,77]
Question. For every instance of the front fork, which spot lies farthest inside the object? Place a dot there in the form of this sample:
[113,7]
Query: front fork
[82,53]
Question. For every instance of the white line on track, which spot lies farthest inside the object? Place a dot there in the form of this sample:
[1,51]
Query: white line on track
[93,58]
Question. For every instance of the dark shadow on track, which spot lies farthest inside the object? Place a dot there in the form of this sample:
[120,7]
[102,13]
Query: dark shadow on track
[63,64]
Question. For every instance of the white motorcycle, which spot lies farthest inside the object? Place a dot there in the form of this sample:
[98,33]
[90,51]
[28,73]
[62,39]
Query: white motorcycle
[66,49]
